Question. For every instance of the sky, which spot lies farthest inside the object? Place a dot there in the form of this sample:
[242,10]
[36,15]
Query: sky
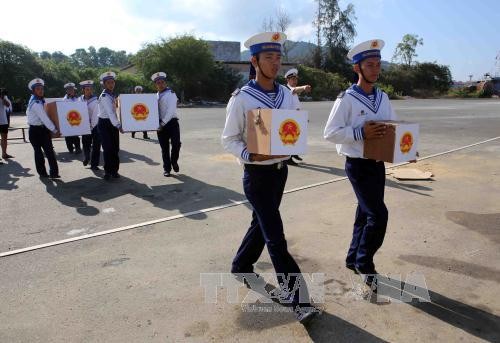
[462,34]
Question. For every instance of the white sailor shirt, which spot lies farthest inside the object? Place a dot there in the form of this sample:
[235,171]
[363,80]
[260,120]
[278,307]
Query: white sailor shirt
[250,97]
[167,105]
[3,111]
[93,110]
[107,109]
[350,112]
[296,101]
[36,114]
[67,98]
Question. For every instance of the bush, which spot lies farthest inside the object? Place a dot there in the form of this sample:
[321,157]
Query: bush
[325,85]
[420,80]
[470,92]
[389,90]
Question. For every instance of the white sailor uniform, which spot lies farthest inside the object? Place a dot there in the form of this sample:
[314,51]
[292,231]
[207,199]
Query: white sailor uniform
[92,143]
[40,127]
[345,128]
[108,128]
[250,97]
[169,131]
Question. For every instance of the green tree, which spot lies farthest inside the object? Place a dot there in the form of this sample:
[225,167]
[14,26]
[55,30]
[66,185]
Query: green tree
[18,65]
[186,59]
[338,30]
[56,74]
[406,49]
[317,55]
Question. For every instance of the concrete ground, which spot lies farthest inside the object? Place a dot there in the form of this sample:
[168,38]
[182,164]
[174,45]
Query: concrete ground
[144,284]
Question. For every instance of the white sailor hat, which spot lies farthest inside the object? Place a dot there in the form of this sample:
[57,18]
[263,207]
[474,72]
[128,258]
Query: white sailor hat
[137,88]
[266,41]
[35,82]
[107,76]
[69,85]
[158,76]
[370,48]
[291,72]
[87,83]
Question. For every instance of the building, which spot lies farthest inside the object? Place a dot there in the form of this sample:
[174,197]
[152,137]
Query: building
[225,51]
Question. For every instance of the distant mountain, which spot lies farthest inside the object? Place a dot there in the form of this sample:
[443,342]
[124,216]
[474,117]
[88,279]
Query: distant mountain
[299,52]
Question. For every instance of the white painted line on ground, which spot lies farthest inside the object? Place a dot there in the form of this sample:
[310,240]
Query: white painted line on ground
[211,209]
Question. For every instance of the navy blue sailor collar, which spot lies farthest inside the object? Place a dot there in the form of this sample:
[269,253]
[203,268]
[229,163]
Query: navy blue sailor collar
[253,89]
[163,92]
[358,93]
[35,98]
[108,92]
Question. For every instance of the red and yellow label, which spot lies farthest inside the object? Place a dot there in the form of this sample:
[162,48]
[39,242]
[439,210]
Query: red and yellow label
[74,118]
[289,132]
[139,111]
[276,37]
[406,142]
[374,44]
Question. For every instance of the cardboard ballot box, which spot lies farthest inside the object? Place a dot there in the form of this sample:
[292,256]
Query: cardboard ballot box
[277,132]
[70,117]
[399,144]
[139,112]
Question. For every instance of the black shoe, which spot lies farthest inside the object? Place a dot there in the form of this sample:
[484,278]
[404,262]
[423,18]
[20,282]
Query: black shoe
[305,314]
[70,151]
[351,267]
[291,162]
[116,176]
[44,176]
[297,157]
[6,156]
[55,176]
[78,151]
[85,162]
[369,277]
[167,174]
[94,168]
[249,279]
[145,137]
[175,166]
[107,177]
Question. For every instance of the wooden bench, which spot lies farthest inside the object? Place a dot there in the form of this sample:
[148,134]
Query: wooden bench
[23,130]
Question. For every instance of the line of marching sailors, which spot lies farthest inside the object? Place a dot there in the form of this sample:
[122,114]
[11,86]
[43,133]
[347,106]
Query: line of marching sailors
[104,124]
[350,123]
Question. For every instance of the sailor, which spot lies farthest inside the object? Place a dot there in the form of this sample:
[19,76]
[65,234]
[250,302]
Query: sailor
[168,132]
[91,143]
[264,177]
[351,122]
[72,142]
[138,90]
[40,130]
[108,126]
[292,79]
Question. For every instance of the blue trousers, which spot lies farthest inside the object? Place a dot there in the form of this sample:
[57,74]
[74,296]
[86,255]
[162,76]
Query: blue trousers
[170,133]
[110,139]
[368,181]
[92,147]
[42,143]
[264,187]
